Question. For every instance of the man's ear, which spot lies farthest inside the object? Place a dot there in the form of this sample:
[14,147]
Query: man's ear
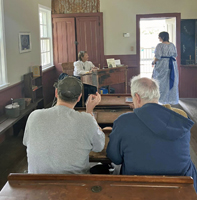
[138,98]
[79,97]
[56,93]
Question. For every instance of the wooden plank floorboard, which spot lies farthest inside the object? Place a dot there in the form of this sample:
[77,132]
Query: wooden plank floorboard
[189,105]
[12,157]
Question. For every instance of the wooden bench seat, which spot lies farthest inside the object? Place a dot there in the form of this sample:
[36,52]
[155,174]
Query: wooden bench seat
[105,187]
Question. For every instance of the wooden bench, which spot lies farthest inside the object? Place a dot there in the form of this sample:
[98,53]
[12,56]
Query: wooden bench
[6,123]
[53,187]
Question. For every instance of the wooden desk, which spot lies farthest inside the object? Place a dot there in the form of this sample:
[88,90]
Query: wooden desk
[108,100]
[104,115]
[105,77]
[108,76]
[101,156]
[96,187]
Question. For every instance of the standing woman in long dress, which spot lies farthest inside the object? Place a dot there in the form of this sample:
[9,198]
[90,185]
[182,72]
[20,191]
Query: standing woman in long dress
[166,70]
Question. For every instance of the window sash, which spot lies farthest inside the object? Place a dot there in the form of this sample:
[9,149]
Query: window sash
[46,48]
[3,68]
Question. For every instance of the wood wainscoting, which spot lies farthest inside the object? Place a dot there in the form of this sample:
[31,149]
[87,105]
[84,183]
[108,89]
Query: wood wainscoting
[16,91]
[187,81]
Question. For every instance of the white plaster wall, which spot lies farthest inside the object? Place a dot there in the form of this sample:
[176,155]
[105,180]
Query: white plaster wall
[119,16]
[19,16]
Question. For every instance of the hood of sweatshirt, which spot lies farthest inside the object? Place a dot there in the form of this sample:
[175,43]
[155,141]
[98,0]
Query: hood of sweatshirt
[164,122]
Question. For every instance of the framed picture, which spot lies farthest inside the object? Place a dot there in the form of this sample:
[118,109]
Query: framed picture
[24,42]
[111,62]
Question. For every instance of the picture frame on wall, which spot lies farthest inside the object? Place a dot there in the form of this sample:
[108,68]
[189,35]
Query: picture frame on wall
[24,42]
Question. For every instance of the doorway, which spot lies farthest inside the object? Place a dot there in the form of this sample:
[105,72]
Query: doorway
[145,25]
[149,31]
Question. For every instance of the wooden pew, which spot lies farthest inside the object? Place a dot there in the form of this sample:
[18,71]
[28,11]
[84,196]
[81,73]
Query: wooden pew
[116,187]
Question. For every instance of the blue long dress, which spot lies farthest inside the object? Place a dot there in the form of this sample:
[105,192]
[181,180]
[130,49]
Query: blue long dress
[161,73]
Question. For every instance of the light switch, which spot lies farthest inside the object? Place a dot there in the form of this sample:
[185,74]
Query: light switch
[126,34]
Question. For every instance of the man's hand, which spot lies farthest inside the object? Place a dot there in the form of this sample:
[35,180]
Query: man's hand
[92,101]
[94,69]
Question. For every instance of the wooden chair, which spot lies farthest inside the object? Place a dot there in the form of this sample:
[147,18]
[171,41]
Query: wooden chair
[68,68]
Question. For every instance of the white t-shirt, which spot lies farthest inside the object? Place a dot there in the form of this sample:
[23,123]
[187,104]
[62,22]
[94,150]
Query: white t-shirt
[81,67]
[59,140]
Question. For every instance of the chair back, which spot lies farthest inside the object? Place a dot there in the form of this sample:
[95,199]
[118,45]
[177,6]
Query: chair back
[68,68]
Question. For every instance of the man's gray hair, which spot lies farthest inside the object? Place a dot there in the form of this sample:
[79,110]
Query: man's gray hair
[147,89]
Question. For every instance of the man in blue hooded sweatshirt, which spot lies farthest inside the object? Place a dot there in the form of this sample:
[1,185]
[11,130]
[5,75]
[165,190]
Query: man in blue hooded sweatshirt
[153,140]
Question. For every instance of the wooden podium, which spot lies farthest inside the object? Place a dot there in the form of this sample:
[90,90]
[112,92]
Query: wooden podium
[105,77]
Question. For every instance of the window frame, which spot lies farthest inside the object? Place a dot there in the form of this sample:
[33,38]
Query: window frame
[49,34]
[3,63]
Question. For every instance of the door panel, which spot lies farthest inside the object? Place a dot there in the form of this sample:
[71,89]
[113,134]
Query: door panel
[88,37]
[64,40]
[171,29]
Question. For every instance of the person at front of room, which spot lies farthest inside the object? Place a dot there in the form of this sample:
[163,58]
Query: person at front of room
[153,140]
[81,67]
[59,139]
[166,70]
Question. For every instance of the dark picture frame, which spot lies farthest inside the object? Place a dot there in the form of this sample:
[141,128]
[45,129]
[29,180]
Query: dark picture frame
[24,42]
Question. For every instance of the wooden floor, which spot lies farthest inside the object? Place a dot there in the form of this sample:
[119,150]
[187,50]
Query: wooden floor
[190,107]
[13,153]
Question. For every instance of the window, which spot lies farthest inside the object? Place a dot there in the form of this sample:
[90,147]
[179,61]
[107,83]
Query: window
[45,37]
[3,71]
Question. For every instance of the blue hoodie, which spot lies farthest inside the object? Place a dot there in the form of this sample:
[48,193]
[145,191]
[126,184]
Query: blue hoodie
[152,140]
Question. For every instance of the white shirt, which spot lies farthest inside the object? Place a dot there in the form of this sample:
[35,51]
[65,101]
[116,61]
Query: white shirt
[81,67]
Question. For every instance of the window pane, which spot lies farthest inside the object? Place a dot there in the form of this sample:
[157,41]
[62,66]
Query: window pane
[40,14]
[45,45]
[44,18]
[3,74]
[45,37]
[43,31]
[46,58]
[43,59]
[1,78]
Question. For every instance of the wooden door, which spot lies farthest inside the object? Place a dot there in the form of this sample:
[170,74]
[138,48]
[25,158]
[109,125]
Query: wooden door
[171,29]
[88,37]
[64,41]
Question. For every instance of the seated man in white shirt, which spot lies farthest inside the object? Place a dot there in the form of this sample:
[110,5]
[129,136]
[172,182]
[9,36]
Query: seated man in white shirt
[83,66]
[59,139]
